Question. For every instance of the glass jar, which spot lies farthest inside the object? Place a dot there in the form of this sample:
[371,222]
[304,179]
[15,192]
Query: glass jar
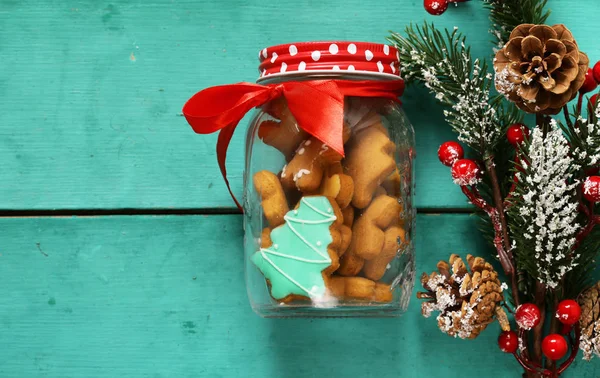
[328,235]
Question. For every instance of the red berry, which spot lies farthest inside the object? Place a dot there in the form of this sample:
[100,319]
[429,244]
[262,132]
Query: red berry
[597,72]
[508,341]
[465,172]
[568,312]
[590,83]
[449,152]
[435,7]
[554,346]
[591,189]
[527,316]
[517,133]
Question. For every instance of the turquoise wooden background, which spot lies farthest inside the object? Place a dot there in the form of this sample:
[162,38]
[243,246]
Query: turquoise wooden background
[120,249]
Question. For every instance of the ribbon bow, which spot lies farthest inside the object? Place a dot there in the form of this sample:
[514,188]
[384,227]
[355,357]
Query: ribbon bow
[317,105]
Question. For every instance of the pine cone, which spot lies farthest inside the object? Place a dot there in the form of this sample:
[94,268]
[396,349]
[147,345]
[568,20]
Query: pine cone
[540,68]
[467,302]
[590,322]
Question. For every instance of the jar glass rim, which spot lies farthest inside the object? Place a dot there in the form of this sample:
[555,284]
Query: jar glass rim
[326,74]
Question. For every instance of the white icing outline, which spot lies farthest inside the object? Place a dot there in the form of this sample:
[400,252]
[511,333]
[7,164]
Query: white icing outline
[284,274]
[271,252]
[317,210]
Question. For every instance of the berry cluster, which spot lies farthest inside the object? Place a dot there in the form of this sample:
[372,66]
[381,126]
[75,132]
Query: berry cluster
[592,79]
[464,171]
[528,316]
[469,172]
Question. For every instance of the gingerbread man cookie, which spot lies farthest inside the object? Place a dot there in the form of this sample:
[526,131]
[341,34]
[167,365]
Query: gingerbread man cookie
[369,161]
[273,199]
[359,288]
[394,238]
[368,234]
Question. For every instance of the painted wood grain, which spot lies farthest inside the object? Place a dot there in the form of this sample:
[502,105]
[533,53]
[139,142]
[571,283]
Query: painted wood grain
[92,92]
[164,297]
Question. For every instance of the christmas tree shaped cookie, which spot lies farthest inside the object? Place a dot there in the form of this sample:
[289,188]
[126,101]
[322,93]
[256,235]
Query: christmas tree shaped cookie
[294,262]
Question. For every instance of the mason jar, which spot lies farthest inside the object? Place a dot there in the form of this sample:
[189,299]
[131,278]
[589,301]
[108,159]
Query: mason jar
[329,233]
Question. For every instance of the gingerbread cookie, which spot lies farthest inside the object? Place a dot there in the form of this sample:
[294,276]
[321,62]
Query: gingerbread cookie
[346,235]
[338,186]
[375,268]
[311,161]
[368,234]
[283,133]
[348,214]
[380,191]
[301,256]
[350,263]
[369,161]
[337,286]
[273,199]
[359,115]
[359,288]
[392,184]
[306,169]
[285,136]
[265,238]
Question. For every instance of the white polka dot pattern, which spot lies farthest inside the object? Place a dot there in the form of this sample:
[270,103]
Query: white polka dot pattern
[357,57]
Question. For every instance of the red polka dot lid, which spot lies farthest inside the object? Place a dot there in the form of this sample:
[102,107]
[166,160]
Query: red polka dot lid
[324,57]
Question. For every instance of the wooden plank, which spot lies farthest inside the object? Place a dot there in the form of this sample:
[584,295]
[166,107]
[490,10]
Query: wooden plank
[92,92]
[146,296]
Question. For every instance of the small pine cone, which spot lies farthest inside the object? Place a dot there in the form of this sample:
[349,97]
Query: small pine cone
[467,302]
[540,68]
[590,322]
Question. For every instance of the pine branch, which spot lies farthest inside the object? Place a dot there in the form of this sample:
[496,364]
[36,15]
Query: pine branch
[584,138]
[582,277]
[505,15]
[543,210]
[443,63]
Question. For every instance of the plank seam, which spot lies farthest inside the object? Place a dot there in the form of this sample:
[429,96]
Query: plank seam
[23,213]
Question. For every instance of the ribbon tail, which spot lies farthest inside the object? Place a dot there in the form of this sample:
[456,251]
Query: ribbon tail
[222,108]
[222,145]
[215,108]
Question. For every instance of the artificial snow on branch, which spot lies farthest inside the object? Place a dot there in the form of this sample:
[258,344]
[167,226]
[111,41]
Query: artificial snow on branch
[505,15]
[544,208]
[444,64]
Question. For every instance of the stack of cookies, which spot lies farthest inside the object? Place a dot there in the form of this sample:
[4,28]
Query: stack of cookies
[362,191]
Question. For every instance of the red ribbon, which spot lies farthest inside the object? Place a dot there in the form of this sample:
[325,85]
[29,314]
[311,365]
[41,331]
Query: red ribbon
[317,105]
